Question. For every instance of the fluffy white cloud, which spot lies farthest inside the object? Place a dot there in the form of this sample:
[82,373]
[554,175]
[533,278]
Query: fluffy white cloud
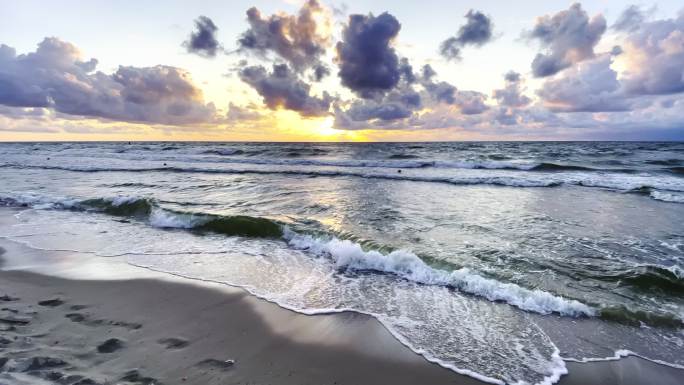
[590,86]
[654,54]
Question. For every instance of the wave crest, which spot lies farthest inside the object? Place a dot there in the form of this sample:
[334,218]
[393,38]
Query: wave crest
[347,255]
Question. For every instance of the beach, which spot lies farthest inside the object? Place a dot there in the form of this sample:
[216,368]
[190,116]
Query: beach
[162,330]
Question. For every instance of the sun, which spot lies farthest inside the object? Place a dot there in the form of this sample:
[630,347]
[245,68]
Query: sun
[327,127]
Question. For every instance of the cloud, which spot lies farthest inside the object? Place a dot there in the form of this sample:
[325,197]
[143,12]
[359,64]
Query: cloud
[471,102]
[368,63]
[300,40]
[569,37]
[512,76]
[511,95]
[654,56]
[591,86]
[476,32]
[417,102]
[55,77]
[406,71]
[281,88]
[398,104]
[632,18]
[427,73]
[468,102]
[371,110]
[441,91]
[320,72]
[238,114]
[203,40]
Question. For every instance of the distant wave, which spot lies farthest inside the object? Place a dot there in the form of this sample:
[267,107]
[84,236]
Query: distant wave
[563,167]
[399,161]
[676,170]
[665,162]
[493,180]
[668,192]
[224,152]
[403,156]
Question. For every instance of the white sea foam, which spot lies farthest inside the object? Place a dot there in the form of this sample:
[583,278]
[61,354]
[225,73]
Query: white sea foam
[672,197]
[349,255]
[677,271]
[619,354]
[122,200]
[556,370]
[165,219]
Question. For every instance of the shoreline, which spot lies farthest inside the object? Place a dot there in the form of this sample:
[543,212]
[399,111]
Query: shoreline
[215,323]
[177,333]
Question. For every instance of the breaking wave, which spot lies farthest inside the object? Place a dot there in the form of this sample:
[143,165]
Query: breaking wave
[350,256]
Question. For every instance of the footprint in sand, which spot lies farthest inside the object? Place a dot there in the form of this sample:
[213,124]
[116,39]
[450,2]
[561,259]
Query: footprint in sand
[84,319]
[110,346]
[173,343]
[13,319]
[213,363]
[135,377]
[51,302]
[75,317]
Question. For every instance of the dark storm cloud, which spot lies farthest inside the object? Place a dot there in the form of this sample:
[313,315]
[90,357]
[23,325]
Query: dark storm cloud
[282,88]
[477,31]
[54,76]
[632,18]
[203,40]
[299,39]
[569,37]
[368,63]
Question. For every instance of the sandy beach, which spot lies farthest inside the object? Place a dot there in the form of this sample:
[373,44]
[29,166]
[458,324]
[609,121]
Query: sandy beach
[167,331]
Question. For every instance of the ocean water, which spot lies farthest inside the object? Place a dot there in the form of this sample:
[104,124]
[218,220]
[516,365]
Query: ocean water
[501,261]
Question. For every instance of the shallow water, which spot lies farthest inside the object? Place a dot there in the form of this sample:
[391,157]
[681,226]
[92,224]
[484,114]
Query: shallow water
[493,259]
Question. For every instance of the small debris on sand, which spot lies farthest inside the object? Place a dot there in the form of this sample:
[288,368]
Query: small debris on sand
[51,302]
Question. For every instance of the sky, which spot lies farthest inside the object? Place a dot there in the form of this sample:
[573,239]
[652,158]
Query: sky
[316,70]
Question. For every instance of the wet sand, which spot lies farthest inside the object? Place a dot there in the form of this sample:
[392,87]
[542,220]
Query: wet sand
[169,331]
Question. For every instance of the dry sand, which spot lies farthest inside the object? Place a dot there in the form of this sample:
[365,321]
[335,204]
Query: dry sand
[145,331]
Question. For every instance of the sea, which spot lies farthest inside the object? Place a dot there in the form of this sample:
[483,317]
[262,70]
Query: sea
[499,260]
